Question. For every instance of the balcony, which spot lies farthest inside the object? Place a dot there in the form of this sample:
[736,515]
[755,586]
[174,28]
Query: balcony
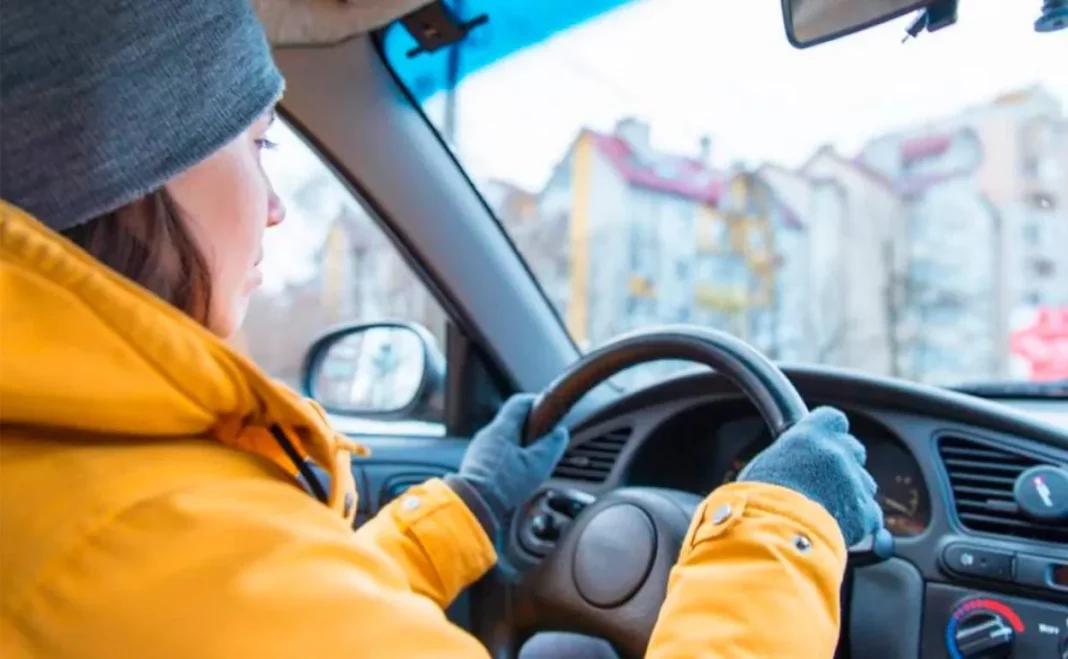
[717,297]
[641,286]
[711,232]
[764,263]
[709,244]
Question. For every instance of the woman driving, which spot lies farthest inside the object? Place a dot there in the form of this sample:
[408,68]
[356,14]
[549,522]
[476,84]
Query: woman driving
[152,499]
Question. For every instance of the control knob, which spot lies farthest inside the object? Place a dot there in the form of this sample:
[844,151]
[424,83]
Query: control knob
[983,634]
[544,528]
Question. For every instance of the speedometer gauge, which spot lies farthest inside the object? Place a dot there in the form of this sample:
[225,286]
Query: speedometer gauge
[901,493]
[736,467]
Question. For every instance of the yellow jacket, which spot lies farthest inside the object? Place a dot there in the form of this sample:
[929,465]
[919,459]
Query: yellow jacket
[145,510]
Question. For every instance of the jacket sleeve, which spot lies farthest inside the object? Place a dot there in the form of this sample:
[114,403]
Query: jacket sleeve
[252,569]
[462,551]
[434,535]
[759,575]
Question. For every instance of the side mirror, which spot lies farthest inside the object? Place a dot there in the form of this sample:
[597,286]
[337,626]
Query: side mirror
[382,371]
[812,22]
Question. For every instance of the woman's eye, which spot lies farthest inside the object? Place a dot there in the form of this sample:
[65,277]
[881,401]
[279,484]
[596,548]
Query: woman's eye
[265,144]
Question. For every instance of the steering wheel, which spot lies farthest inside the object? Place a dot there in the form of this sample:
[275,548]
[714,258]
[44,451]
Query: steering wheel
[607,574]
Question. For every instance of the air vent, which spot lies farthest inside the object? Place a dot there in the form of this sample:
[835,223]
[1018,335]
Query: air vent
[593,459]
[982,477]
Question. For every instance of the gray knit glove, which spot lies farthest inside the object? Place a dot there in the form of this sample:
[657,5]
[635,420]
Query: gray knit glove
[502,472]
[821,460]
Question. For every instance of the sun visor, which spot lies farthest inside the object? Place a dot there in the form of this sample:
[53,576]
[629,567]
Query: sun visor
[302,22]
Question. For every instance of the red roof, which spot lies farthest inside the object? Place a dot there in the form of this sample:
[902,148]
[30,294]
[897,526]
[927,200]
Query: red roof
[924,147]
[667,173]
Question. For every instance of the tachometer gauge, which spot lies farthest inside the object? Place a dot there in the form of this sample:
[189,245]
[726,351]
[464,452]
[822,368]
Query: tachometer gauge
[900,499]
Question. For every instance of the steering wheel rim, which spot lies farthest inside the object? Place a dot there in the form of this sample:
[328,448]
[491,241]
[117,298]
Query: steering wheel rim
[767,387]
[552,584]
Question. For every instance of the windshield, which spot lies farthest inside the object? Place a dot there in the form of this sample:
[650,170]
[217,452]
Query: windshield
[896,208]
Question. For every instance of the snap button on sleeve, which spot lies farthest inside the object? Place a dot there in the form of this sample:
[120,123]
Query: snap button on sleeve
[718,517]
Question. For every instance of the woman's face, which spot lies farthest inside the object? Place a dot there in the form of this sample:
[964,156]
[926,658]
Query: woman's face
[229,202]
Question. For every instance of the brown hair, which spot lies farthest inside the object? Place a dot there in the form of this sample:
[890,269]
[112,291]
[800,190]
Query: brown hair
[148,242]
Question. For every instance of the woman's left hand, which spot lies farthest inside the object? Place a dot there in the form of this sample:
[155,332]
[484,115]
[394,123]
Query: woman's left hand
[502,471]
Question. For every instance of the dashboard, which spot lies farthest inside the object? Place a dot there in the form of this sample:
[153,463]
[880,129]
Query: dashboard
[976,571]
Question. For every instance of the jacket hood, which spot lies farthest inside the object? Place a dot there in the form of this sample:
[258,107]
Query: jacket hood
[84,349]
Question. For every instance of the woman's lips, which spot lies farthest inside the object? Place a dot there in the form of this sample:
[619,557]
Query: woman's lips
[255,276]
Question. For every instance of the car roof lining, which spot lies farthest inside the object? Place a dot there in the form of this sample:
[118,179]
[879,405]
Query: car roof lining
[311,22]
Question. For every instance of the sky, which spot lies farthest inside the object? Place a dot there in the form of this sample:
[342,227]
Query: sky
[724,68]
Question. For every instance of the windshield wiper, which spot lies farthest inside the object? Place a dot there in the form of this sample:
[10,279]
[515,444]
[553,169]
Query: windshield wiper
[1009,389]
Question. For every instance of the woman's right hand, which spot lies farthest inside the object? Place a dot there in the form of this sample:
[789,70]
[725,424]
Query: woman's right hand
[821,460]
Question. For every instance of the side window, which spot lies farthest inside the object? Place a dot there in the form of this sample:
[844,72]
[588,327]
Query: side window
[327,263]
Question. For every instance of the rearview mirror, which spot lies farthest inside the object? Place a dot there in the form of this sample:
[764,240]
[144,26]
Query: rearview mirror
[385,371]
[812,22]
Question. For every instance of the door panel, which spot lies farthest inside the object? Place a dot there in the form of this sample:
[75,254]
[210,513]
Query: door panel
[397,463]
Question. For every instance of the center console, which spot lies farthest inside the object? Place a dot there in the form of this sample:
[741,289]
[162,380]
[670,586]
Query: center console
[987,604]
[967,624]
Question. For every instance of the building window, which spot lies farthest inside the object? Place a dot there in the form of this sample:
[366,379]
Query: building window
[756,238]
[1031,165]
[643,247]
[682,269]
[1042,201]
[1031,233]
[1044,267]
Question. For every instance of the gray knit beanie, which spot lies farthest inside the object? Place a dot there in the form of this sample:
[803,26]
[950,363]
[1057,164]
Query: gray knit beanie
[103,101]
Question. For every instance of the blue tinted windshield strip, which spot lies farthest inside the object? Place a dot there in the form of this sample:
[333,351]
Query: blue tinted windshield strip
[512,27]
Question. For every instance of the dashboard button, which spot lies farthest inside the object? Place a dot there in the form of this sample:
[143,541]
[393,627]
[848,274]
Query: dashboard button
[1041,572]
[978,562]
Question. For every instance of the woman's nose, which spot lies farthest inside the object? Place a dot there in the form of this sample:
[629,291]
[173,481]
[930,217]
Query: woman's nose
[276,210]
